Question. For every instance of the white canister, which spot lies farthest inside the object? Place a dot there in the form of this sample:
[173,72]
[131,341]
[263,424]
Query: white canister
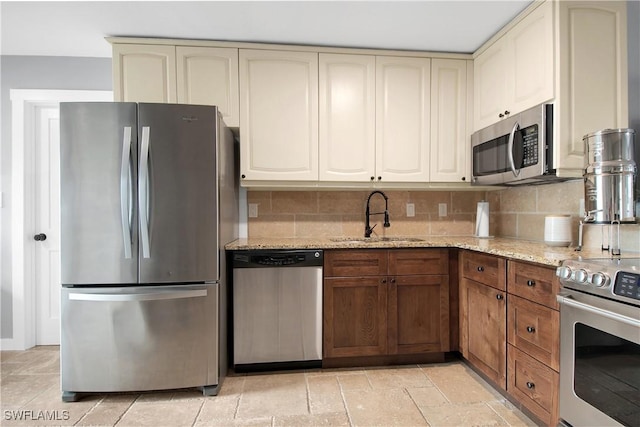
[557,230]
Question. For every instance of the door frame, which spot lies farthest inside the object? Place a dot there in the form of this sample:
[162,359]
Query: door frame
[24,102]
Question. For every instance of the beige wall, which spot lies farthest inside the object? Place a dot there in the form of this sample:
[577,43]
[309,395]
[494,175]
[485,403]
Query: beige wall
[515,213]
[341,213]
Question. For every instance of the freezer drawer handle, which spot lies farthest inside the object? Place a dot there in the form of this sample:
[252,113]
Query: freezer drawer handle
[125,191]
[152,296]
[143,192]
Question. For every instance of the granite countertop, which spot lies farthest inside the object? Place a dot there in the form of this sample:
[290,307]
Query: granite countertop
[524,250]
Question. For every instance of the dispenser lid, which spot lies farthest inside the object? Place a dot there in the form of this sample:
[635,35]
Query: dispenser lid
[609,131]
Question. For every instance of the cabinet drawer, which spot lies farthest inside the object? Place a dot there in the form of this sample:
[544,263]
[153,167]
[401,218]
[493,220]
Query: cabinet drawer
[533,329]
[351,263]
[418,261]
[485,269]
[533,282]
[533,384]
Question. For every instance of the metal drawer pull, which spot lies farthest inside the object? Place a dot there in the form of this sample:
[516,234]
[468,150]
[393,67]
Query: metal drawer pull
[499,296]
[481,269]
[531,329]
[531,282]
[530,385]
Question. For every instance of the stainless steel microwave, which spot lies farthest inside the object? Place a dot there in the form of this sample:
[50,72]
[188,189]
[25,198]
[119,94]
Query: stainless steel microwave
[517,150]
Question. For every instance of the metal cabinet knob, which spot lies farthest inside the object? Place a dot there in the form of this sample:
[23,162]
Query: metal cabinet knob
[530,385]
[40,237]
[531,282]
[383,280]
[531,329]
[499,296]
[481,269]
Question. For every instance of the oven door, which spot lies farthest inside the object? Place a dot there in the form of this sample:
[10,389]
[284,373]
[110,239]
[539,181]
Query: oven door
[599,361]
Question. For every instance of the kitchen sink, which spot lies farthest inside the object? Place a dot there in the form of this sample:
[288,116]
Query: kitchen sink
[375,239]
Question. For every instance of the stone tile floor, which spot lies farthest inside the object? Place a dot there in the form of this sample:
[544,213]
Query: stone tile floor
[448,394]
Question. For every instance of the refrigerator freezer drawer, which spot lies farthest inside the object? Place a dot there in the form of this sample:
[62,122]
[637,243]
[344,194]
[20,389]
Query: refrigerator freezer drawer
[139,338]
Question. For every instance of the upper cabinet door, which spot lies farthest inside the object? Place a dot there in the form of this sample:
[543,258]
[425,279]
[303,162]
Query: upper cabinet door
[517,71]
[490,84]
[531,50]
[402,119]
[144,73]
[347,117]
[209,76]
[593,83]
[279,115]
[450,146]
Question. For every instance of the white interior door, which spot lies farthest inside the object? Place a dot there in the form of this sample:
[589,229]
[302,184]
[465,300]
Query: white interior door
[47,224]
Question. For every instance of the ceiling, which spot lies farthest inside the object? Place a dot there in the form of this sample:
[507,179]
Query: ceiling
[78,28]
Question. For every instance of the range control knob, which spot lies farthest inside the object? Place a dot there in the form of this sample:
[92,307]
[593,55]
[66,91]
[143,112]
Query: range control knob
[600,280]
[564,272]
[580,276]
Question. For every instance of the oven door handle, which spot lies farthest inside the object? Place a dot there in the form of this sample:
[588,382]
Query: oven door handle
[570,302]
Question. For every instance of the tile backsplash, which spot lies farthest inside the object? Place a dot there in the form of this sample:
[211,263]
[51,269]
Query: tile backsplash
[515,213]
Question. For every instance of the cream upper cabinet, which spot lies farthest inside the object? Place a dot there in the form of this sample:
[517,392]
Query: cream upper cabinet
[593,84]
[278,115]
[516,72]
[402,119]
[144,73]
[347,117]
[209,76]
[450,146]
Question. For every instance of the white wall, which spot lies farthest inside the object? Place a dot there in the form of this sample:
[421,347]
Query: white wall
[34,72]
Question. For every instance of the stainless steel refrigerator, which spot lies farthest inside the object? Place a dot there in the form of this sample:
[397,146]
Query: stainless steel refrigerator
[149,198]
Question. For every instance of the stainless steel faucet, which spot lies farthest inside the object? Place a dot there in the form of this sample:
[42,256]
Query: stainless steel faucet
[367,227]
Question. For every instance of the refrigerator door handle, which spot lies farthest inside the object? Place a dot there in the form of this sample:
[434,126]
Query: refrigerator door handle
[149,296]
[125,191]
[143,192]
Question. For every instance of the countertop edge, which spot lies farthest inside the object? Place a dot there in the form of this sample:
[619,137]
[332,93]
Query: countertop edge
[516,249]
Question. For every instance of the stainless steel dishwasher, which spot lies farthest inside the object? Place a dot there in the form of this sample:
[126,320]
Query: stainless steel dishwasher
[277,309]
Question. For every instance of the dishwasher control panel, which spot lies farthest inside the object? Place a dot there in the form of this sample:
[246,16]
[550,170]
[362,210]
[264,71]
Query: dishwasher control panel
[277,258]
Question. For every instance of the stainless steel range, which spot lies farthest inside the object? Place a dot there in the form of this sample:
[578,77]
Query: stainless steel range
[600,342]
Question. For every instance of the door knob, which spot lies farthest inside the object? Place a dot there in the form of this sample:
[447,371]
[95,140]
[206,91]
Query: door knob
[40,237]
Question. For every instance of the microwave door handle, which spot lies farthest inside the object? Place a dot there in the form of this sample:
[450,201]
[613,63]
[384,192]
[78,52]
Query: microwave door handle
[512,163]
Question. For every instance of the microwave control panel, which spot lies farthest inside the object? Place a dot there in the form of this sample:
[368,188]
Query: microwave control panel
[530,145]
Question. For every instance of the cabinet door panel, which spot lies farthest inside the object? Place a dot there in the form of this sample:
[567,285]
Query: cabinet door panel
[533,282]
[418,314]
[486,312]
[531,44]
[534,329]
[593,98]
[418,261]
[450,150]
[144,73]
[355,317]
[209,76]
[403,105]
[279,115]
[347,117]
[490,84]
[351,262]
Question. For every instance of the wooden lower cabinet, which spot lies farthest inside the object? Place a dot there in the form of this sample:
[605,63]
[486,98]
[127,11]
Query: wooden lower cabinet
[533,384]
[418,314]
[380,302]
[483,317]
[355,317]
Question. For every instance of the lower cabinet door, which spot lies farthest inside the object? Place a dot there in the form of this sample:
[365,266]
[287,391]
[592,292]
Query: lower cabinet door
[418,314]
[355,316]
[486,320]
[534,384]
